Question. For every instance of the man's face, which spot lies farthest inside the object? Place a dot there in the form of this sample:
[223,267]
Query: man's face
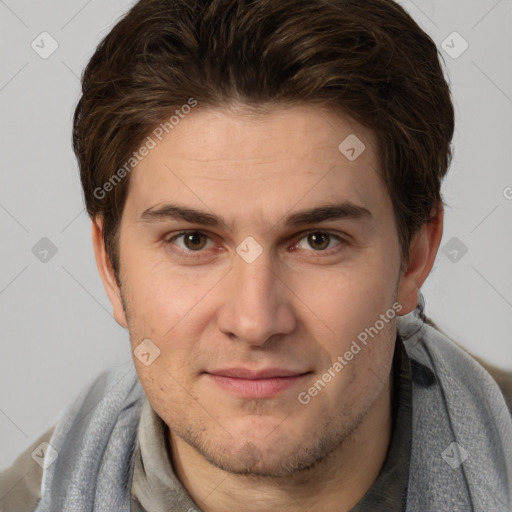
[265,291]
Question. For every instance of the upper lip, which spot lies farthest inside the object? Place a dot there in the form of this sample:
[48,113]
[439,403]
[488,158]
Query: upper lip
[246,373]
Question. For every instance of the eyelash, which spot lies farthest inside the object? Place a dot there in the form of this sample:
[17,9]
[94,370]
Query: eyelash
[190,254]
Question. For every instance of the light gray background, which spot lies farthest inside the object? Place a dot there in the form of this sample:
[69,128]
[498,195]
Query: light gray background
[57,331]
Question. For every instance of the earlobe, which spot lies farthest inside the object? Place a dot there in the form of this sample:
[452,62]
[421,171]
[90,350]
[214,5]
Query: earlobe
[107,272]
[422,254]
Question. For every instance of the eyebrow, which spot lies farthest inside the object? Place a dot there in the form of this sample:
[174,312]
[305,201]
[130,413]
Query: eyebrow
[323,213]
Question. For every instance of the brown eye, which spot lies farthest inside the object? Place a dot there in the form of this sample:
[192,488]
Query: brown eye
[194,241]
[319,241]
[189,243]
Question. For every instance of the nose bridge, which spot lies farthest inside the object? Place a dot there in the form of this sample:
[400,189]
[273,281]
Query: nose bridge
[257,280]
[258,307]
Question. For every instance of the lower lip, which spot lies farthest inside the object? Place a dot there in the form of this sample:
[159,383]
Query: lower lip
[256,388]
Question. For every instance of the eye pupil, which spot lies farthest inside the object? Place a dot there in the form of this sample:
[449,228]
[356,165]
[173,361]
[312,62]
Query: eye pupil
[315,238]
[194,238]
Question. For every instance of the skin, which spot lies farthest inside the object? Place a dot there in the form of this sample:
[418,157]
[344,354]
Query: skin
[299,305]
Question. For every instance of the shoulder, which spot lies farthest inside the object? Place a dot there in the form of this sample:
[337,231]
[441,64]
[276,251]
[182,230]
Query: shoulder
[502,377]
[100,402]
[462,428]
[20,484]
[457,368]
[451,364]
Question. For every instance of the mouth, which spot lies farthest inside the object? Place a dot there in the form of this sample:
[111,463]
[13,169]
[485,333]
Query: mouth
[256,383]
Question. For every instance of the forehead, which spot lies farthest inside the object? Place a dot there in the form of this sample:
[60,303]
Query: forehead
[298,132]
[284,156]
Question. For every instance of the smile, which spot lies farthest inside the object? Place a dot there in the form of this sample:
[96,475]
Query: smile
[265,387]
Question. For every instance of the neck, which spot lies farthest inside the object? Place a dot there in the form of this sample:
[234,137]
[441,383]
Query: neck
[337,483]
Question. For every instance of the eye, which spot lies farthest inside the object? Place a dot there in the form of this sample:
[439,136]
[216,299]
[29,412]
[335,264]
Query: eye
[319,241]
[192,241]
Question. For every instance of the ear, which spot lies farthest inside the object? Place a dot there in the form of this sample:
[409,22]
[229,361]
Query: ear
[422,253]
[107,272]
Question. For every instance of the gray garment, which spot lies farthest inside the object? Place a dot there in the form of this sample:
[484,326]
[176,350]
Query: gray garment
[459,415]
[155,485]
[95,441]
[389,492]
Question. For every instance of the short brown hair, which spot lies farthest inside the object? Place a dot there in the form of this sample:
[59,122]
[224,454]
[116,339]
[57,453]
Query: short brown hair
[367,58]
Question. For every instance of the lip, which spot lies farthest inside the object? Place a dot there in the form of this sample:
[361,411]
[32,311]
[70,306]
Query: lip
[246,373]
[247,383]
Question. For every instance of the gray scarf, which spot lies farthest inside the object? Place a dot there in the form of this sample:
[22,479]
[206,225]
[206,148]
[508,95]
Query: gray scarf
[461,456]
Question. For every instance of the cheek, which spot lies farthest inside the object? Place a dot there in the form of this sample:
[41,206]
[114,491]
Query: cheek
[344,302]
[167,390]
[173,312]
[161,297]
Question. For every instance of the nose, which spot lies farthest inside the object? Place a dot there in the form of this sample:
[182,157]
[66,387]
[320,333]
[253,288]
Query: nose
[258,305]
